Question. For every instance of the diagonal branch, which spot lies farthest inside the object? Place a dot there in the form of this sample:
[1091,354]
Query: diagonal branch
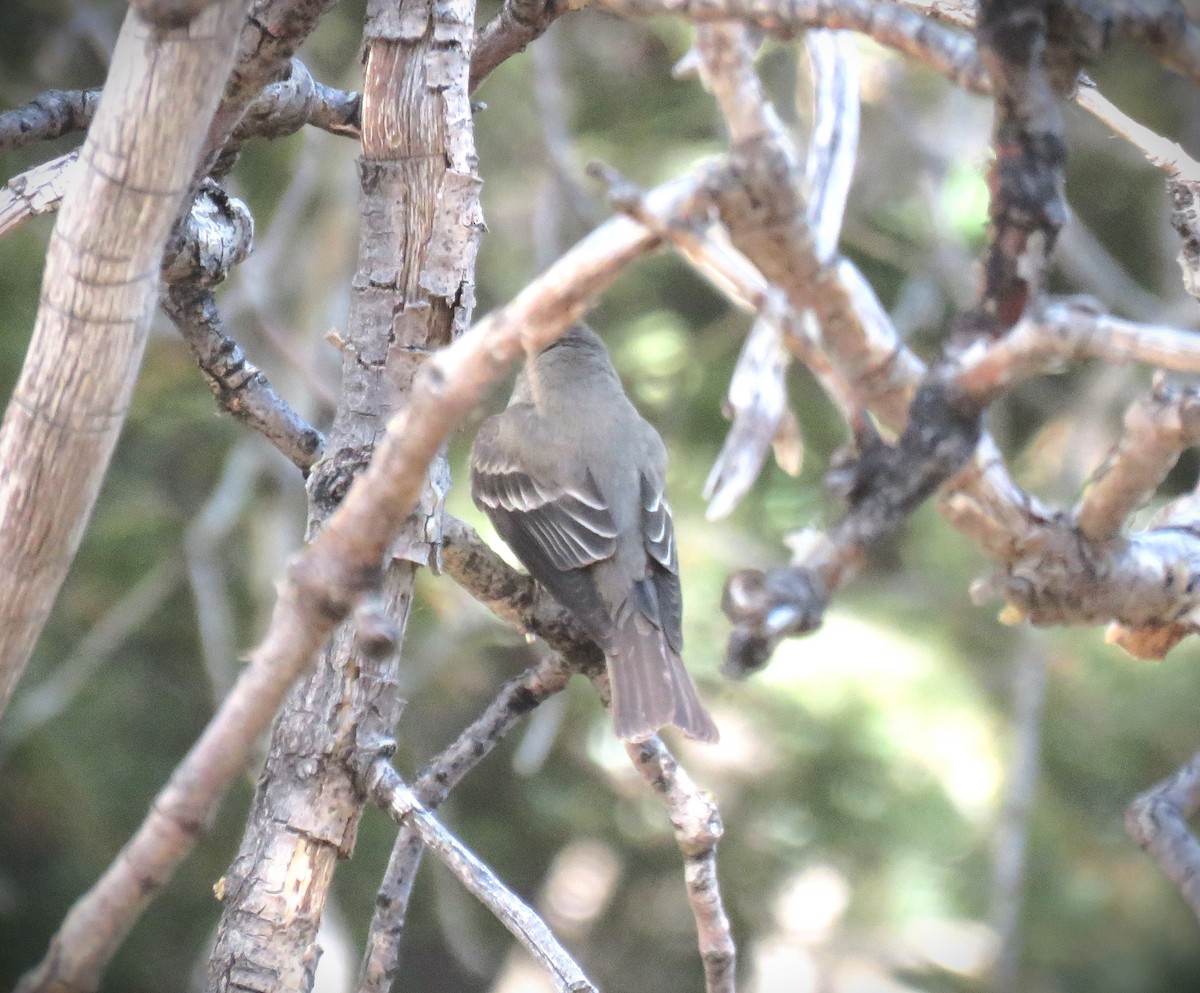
[384,784]
[1157,821]
[518,23]
[98,294]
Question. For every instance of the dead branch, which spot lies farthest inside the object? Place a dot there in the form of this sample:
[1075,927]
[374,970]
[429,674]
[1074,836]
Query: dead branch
[239,386]
[515,700]
[518,23]
[49,115]
[412,294]
[949,52]
[1028,203]
[269,38]
[697,825]
[389,791]
[1158,427]
[1056,333]
[37,191]
[99,288]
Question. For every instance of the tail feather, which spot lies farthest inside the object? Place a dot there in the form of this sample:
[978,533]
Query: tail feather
[650,686]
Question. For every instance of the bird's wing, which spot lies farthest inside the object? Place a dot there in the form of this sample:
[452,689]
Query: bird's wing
[568,525]
[658,537]
[658,528]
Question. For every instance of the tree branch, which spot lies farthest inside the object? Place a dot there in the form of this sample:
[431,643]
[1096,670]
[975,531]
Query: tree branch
[1157,821]
[518,23]
[99,289]
[390,792]
[381,960]
[697,824]
[49,115]
[240,387]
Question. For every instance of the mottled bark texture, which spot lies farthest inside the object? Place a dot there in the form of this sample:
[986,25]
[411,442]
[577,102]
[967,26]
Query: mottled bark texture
[98,295]
[1032,70]
[412,294]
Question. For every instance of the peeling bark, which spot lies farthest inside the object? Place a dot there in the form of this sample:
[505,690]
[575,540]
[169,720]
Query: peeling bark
[412,294]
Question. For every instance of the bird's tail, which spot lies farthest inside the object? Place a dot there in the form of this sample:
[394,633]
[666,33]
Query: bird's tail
[650,686]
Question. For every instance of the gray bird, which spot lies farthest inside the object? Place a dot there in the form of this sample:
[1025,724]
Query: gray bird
[572,478]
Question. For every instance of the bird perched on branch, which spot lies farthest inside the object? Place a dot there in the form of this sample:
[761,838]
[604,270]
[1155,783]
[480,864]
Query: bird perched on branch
[573,479]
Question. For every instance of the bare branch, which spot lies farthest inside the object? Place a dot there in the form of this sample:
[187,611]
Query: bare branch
[288,104]
[390,792]
[1066,331]
[269,38]
[833,144]
[518,698]
[949,52]
[757,400]
[518,23]
[1157,821]
[1028,203]
[697,824]
[240,387]
[1158,428]
[38,191]
[49,115]
[99,288]
[411,295]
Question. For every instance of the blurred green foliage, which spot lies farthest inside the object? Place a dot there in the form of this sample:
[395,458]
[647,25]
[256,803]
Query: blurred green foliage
[859,777]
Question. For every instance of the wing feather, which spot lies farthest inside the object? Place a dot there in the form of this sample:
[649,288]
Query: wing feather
[570,524]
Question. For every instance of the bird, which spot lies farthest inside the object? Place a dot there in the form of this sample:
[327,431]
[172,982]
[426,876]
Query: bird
[573,479]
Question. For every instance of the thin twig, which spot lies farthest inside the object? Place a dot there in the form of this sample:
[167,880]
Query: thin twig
[697,825]
[518,698]
[518,23]
[240,387]
[390,792]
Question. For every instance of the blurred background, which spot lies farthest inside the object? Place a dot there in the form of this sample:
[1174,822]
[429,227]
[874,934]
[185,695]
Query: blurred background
[878,782]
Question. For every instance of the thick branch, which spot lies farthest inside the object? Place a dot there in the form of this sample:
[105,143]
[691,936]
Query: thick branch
[411,295]
[99,290]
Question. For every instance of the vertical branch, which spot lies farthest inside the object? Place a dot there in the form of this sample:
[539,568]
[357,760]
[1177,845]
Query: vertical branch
[697,824]
[98,295]
[411,295]
[1028,203]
